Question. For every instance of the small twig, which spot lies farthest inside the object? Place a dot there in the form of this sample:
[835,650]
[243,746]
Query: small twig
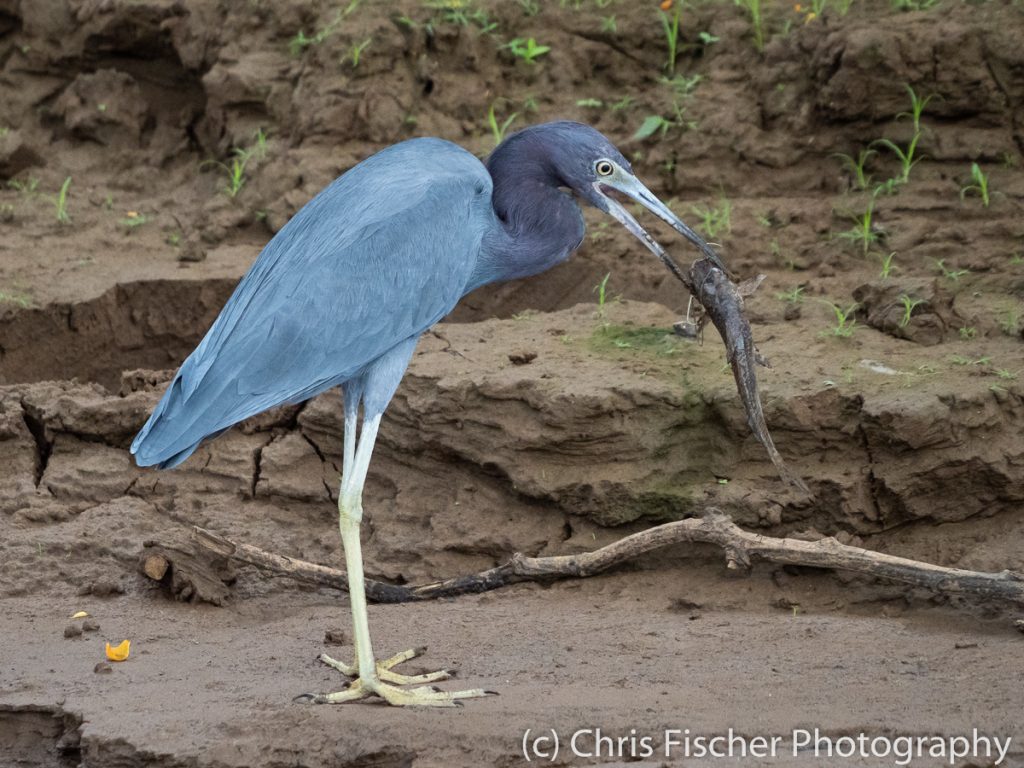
[740,547]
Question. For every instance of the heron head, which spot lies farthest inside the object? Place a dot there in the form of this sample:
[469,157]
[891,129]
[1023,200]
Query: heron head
[590,165]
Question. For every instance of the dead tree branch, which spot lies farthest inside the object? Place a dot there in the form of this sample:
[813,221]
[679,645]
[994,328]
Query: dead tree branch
[741,548]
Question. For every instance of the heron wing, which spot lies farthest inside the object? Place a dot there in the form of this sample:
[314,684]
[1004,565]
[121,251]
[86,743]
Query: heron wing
[378,256]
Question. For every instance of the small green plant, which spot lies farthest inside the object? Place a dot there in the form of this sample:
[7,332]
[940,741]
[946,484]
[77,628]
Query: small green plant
[528,50]
[917,105]
[173,239]
[670,26]
[608,24]
[968,332]
[913,5]
[300,42]
[18,298]
[887,266]
[794,295]
[601,289]
[27,188]
[1005,374]
[714,220]
[234,172]
[909,305]
[953,275]
[844,320]
[1009,321]
[651,125]
[857,168]
[356,50]
[753,8]
[530,7]
[590,103]
[964,361]
[863,231]
[60,202]
[980,185]
[498,130]
[905,156]
[133,220]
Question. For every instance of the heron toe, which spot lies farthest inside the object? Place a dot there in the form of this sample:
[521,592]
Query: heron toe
[384,669]
[423,696]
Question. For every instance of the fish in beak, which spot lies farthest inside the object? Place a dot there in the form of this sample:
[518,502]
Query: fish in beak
[629,185]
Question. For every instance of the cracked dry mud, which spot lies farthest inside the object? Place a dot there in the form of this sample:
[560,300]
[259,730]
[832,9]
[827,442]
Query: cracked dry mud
[529,421]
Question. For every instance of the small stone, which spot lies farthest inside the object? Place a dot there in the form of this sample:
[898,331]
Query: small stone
[90,625]
[103,668]
[522,357]
[334,637]
[72,630]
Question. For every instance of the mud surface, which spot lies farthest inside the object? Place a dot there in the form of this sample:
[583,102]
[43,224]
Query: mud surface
[532,420]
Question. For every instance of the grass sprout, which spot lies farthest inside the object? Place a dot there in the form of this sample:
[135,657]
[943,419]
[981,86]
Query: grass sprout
[857,168]
[498,130]
[845,323]
[980,185]
[528,50]
[909,305]
[60,202]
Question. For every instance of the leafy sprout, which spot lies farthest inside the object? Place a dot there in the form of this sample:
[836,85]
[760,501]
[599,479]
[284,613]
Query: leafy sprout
[844,320]
[356,50]
[857,168]
[60,202]
[528,50]
[753,8]
[980,185]
[952,275]
[498,130]
[909,305]
[670,26]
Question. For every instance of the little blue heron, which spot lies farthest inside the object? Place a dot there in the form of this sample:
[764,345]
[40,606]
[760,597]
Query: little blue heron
[342,293]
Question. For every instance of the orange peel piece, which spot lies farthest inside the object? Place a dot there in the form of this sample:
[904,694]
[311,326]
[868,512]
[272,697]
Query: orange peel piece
[119,652]
[79,615]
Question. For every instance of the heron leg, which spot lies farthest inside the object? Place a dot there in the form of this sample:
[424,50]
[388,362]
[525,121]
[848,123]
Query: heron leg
[372,677]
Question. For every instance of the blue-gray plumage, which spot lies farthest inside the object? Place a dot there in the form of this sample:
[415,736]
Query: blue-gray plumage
[344,290]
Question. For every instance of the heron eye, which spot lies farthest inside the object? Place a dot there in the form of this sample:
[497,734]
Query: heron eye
[603,168]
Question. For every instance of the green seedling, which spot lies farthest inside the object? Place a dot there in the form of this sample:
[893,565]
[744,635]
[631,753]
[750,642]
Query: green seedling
[913,5]
[706,38]
[259,149]
[528,50]
[968,332]
[18,298]
[235,172]
[909,305]
[887,266]
[863,232]
[498,130]
[681,85]
[622,104]
[793,296]
[590,103]
[857,168]
[530,7]
[714,220]
[1009,321]
[601,289]
[300,42]
[845,322]
[356,50]
[608,24]
[670,26]
[1005,374]
[917,105]
[133,220]
[961,360]
[980,185]
[60,202]
[651,125]
[906,156]
[753,8]
[953,275]
[27,188]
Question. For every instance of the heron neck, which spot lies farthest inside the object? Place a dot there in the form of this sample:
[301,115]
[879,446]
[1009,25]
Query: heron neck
[537,225]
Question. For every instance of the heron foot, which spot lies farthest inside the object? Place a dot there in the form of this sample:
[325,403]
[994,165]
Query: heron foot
[385,674]
[423,696]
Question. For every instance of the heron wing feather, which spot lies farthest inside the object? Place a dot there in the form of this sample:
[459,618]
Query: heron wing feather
[378,256]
